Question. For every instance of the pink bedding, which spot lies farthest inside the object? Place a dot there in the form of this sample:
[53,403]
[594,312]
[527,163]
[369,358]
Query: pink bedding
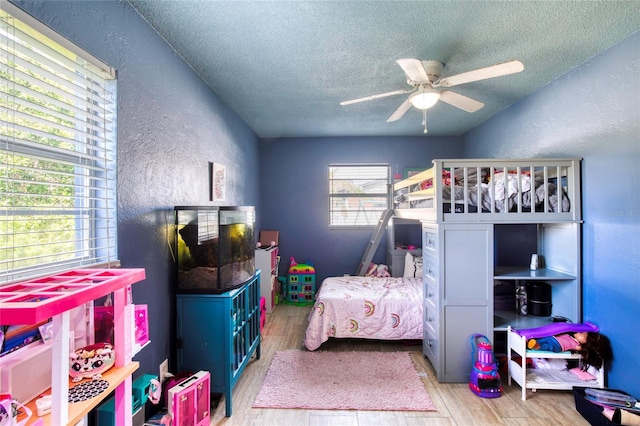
[366,308]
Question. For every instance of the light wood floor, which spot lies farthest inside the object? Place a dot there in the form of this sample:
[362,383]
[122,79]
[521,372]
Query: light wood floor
[455,403]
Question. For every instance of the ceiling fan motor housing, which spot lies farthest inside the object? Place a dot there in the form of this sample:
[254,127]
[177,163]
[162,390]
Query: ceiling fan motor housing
[433,70]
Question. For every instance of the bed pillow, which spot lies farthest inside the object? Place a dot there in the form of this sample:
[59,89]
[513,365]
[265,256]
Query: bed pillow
[412,266]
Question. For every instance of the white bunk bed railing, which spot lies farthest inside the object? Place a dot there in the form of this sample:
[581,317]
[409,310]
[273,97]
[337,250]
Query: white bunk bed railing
[493,190]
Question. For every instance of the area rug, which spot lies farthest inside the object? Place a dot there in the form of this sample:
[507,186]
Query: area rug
[386,381]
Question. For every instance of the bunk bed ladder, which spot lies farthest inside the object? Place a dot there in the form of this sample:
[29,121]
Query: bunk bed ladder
[374,242]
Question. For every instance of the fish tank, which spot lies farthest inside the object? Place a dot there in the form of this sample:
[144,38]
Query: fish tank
[215,248]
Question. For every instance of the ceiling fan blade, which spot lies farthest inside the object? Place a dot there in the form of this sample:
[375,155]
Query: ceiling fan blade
[498,70]
[402,109]
[414,69]
[460,101]
[372,97]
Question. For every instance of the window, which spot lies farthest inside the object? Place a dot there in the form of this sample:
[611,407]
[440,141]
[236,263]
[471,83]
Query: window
[358,194]
[57,152]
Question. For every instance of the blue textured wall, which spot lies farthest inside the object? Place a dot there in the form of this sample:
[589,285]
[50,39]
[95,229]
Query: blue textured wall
[294,193]
[170,125]
[592,112]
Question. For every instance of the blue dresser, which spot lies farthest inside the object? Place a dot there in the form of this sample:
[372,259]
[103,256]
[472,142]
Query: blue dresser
[219,333]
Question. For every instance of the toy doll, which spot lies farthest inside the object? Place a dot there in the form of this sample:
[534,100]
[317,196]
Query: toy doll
[594,347]
[621,416]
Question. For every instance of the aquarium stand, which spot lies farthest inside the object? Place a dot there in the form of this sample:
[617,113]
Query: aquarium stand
[220,333]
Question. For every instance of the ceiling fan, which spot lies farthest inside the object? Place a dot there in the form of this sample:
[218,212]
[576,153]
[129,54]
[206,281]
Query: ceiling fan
[425,78]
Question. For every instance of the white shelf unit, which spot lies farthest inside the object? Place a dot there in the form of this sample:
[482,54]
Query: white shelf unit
[558,244]
[267,262]
[533,378]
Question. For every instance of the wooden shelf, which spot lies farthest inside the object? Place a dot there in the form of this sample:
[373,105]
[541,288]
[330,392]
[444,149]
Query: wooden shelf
[115,376]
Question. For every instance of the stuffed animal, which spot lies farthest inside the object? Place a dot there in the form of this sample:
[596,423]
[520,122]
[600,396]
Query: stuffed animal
[378,271]
[371,270]
[382,271]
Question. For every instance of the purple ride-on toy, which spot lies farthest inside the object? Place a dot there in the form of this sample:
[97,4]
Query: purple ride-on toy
[485,379]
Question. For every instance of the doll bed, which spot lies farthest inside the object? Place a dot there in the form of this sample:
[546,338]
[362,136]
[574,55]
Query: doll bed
[489,190]
[521,359]
[366,308]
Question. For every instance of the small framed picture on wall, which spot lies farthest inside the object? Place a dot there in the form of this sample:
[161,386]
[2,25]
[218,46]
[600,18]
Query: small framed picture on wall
[218,179]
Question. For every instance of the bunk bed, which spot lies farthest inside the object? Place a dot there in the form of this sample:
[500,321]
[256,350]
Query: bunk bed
[382,308]
[489,190]
[467,210]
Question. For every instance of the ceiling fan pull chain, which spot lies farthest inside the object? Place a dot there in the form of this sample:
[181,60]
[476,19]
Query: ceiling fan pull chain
[424,120]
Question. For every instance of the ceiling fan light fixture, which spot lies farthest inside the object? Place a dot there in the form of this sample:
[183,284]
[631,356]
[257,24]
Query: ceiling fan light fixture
[424,99]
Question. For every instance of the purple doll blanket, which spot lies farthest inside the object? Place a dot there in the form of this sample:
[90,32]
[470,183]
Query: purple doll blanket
[557,328]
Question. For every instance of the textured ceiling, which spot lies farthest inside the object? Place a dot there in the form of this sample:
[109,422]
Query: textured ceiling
[284,66]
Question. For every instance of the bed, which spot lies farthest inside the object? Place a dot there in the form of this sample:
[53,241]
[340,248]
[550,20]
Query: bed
[492,190]
[366,308]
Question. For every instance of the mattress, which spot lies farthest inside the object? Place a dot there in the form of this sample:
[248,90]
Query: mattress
[366,308]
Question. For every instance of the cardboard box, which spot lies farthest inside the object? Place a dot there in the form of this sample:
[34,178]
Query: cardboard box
[266,237]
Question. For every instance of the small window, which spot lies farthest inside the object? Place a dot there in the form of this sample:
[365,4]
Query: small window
[358,194]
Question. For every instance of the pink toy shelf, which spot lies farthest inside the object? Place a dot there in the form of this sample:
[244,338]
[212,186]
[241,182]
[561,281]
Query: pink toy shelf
[30,302]
[53,296]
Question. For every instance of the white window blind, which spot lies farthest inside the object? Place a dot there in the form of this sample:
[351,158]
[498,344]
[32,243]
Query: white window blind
[57,152]
[358,194]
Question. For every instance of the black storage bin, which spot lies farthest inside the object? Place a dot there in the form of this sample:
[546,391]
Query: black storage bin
[504,296]
[539,299]
[590,411]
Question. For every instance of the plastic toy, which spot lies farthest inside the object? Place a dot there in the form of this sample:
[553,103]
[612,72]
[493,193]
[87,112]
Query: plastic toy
[485,379]
[301,268]
[91,361]
[301,283]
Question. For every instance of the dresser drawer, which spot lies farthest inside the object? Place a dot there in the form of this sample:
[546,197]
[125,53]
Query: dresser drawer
[430,269]
[431,294]
[430,240]
[430,318]
[430,346]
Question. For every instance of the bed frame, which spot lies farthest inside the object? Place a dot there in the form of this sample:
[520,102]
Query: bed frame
[463,242]
[433,206]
